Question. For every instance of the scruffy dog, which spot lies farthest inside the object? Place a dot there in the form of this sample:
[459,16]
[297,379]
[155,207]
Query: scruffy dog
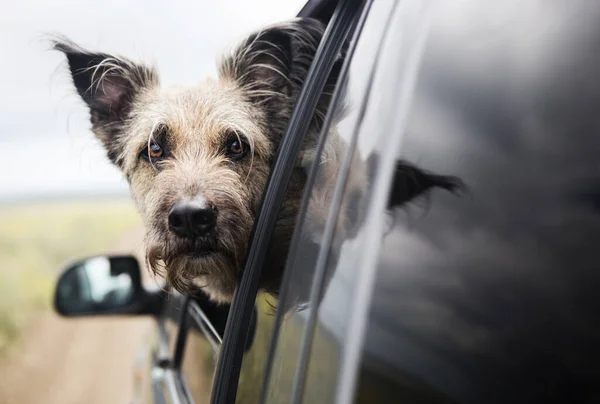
[197,158]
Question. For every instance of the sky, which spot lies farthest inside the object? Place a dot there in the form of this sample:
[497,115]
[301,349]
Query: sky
[44,126]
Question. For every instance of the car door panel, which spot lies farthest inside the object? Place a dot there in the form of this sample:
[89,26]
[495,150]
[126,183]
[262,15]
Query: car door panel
[490,296]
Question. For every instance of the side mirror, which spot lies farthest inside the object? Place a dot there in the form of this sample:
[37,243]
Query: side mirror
[104,285]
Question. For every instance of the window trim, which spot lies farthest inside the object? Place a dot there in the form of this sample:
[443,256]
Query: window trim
[234,341]
[319,9]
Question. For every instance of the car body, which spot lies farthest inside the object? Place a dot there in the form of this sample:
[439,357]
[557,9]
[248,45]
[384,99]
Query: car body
[489,296]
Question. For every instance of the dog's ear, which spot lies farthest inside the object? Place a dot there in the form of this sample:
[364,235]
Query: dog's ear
[410,182]
[108,84]
[271,65]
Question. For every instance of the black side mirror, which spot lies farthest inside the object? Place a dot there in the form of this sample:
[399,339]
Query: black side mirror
[104,285]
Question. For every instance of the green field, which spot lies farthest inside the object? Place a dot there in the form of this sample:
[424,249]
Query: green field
[36,239]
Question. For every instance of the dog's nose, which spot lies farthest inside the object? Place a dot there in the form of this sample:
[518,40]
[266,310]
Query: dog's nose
[191,219]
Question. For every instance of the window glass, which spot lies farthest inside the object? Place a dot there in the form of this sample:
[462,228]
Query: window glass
[301,269]
[490,296]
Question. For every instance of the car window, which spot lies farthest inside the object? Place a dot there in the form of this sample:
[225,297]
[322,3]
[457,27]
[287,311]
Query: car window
[301,345]
[490,296]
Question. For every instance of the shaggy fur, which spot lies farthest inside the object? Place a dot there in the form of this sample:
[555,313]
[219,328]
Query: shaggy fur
[251,100]
[193,128]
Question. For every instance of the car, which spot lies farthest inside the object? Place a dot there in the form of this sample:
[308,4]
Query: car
[484,296]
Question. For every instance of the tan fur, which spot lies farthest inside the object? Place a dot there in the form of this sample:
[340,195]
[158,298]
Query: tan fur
[252,97]
[197,119]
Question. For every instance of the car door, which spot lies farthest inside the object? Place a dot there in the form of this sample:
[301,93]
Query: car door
[491,296]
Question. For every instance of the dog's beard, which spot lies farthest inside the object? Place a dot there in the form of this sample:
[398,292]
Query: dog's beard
[208,263]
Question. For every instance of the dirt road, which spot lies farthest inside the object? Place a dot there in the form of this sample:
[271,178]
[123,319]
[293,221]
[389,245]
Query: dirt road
[78,361]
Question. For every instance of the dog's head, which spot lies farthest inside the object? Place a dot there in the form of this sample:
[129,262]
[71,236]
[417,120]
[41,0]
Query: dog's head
[197,158]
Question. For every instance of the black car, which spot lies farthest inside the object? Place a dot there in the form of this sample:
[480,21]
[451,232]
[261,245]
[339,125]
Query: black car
[489,295]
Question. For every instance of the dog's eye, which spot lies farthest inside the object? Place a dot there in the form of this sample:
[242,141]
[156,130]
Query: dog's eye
[236,148]
[152,151]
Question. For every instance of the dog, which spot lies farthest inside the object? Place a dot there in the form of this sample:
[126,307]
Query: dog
[197,158]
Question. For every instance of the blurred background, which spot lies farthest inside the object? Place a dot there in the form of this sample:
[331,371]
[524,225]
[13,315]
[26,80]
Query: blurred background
[60,199]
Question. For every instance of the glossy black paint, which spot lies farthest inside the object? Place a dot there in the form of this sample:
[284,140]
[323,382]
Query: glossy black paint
[493,297]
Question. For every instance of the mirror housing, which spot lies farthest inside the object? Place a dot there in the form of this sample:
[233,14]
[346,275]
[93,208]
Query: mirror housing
[105,285]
